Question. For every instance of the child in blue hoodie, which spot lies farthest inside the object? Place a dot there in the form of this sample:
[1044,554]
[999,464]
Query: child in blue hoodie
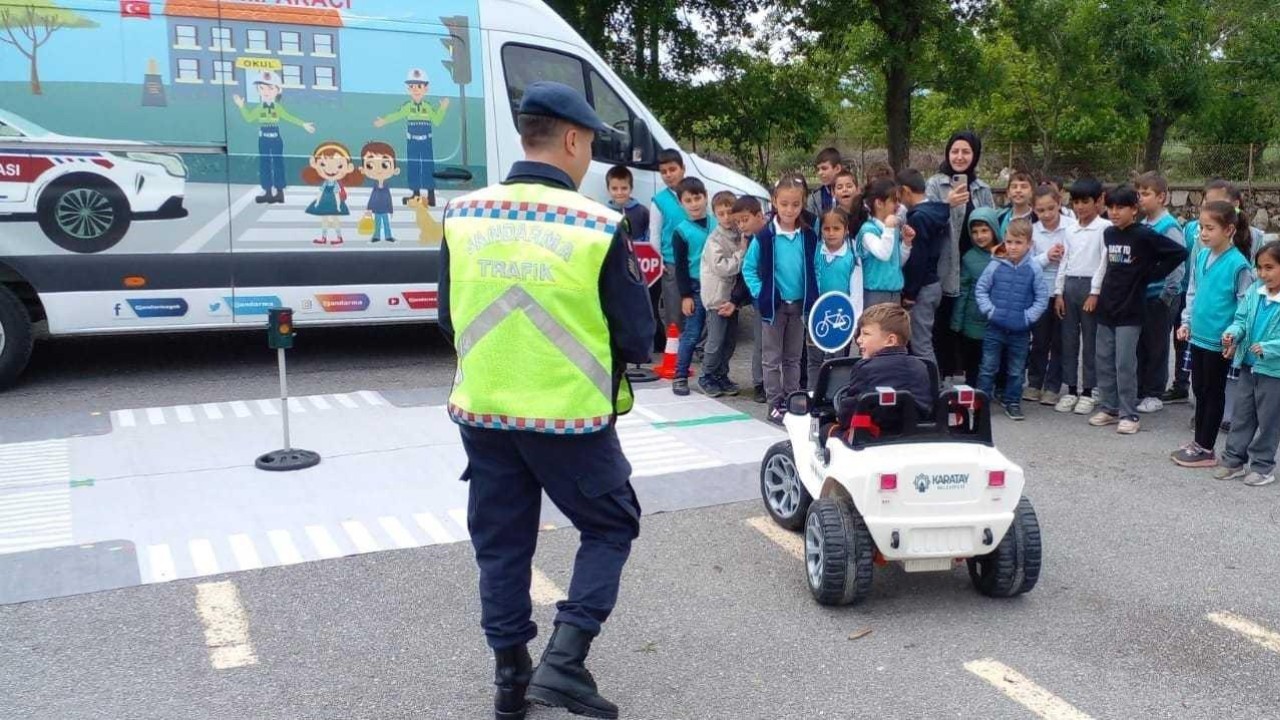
[1012,294]
[779,272]
[922,288]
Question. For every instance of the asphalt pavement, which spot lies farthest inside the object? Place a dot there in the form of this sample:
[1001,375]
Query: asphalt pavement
[1157,598]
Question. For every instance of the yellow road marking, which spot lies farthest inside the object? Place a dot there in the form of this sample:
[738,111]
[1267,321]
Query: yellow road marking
[543,591]
[1263,636]
[1021,690]
[226,625]
[785,539]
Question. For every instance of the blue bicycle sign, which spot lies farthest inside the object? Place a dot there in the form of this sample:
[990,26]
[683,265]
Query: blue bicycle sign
[832,322]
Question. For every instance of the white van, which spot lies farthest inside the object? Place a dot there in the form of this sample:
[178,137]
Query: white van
[191,164]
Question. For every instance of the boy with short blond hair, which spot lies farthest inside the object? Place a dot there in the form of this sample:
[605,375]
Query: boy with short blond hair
[1012,295]
[884,331]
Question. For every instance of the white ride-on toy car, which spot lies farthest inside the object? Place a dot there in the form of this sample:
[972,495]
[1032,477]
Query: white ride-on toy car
[869,482]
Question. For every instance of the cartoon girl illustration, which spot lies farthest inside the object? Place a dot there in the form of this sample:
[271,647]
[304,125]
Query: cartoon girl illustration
[331,168]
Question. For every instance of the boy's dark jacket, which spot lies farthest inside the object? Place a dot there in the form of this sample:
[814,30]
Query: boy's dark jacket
[932,223]
[893,368]
[1136,257]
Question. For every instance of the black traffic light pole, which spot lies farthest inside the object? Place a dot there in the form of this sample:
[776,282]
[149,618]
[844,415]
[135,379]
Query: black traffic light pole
[280,337]
[458,45]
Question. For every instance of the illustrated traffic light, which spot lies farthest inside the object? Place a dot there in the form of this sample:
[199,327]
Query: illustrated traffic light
[280,328]
[459,47]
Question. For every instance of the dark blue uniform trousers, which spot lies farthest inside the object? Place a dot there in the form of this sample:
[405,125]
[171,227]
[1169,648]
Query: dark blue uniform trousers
[588,479]
[270,158]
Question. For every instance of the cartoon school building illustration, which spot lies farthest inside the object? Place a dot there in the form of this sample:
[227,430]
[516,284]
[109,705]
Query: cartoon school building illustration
[214,44]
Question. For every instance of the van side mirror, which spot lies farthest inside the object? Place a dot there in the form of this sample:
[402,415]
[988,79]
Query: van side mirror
[642,147]
[798,403]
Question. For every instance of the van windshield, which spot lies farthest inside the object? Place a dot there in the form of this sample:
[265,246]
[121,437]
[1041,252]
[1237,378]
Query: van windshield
[14,126]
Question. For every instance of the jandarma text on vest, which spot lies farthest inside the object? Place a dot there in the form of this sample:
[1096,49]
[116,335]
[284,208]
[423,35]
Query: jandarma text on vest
[512,270]
[503,232]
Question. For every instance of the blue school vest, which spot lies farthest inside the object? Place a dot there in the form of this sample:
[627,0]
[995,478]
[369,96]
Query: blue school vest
[1215,302]
[672,215]
[695,236]
[1161,226]
[879,275]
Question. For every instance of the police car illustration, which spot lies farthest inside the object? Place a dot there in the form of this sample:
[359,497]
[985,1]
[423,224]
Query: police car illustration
[84,198]
[869,481]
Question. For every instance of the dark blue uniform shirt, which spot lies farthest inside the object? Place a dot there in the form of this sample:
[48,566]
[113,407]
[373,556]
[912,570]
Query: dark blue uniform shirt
[623,294]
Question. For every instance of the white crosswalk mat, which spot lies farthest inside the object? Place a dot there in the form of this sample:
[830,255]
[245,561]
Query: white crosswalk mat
[239,409]
[202,556]
[35,496]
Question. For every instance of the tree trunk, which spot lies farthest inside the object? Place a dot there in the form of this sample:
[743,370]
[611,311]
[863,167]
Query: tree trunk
[639,32]
[655,70]
[1157,131]
[897,112]
[35,75]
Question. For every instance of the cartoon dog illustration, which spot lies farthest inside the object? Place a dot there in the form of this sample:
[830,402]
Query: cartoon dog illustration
[430,232]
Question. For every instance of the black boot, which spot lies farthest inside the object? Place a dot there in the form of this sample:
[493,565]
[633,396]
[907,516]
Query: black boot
[264,198]
[431,198]
[512,669]
[562,679]
[278,198]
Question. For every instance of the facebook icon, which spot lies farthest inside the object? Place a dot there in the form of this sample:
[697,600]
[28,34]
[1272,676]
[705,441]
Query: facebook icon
[117,309]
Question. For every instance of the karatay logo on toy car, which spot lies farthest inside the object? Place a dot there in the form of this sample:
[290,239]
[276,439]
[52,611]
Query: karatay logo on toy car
[942,482]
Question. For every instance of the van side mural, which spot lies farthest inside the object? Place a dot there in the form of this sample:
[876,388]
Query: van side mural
[237,94]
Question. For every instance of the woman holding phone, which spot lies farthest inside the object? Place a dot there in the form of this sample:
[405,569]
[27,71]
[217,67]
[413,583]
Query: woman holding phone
[956,184]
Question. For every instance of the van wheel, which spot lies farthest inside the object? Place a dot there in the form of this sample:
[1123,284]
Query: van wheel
[1013,567]
[839,553]
[84,214]
[15,337]
[784,495]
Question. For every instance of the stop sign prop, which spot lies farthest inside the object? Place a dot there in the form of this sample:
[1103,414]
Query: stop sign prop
[650,263]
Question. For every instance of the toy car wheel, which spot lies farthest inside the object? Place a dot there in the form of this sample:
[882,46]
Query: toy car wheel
[15,337]
[784,495]
[1013,567]
[839,553]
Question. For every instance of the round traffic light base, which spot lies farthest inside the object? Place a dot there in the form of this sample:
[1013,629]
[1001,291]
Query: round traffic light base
[639,374]
[284,460]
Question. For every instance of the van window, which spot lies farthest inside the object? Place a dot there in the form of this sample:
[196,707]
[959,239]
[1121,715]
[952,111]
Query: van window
[523,65]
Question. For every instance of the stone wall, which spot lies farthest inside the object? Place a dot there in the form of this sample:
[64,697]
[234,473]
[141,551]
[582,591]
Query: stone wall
[1262,203]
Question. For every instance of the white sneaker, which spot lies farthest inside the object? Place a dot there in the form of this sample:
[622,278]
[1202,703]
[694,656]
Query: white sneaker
[1049,397]
[1031,394]
[1259,480]
[1085,405]
[1066,403]
[1128,427]
[1150,405]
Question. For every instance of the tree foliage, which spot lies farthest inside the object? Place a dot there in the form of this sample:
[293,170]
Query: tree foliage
[28,25]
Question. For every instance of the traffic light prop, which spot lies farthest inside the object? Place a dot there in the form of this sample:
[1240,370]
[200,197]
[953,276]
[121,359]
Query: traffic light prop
[280,334]
[458,46]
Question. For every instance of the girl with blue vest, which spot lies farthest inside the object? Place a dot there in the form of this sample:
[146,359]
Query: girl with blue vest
[836,269]
[779,272]
[1254,341]
[880,251]
[1220,277]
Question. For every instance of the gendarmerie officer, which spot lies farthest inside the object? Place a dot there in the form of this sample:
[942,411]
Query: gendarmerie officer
[542,296]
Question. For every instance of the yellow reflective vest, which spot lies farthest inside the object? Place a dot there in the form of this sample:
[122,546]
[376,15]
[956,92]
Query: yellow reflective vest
[524,297]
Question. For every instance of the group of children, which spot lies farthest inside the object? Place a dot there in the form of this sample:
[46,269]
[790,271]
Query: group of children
[1086,297]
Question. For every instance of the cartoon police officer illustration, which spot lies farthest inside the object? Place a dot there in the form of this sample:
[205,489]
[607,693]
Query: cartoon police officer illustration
[419,118]
[267,115]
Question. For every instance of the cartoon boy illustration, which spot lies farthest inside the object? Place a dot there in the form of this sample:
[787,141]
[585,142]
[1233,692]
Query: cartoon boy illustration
[419,117]
[379,164]
[267,115]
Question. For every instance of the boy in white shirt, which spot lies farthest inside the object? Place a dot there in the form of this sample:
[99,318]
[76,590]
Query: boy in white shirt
[1076,288]
[1048,243]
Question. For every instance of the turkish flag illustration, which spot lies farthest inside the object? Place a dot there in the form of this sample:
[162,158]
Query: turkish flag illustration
[135,9]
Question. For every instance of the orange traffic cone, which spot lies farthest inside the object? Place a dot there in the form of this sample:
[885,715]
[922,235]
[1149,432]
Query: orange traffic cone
[667,370]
